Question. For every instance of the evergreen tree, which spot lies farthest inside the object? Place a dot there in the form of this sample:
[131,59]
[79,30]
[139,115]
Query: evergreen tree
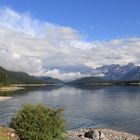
[4,79]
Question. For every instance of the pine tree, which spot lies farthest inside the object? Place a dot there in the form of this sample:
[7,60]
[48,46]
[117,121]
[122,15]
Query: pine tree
[4,79]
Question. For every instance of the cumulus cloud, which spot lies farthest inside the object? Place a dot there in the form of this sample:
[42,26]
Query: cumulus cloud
[43,48]
[61,75]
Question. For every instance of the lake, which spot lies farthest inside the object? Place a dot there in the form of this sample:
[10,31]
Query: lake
[116,107]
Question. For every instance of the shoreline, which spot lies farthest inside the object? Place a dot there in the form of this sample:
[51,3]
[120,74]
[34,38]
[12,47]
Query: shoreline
[81,134]
[16,87]
[3,98]
[107,83]
[30,85]
[10,88]
[99,134]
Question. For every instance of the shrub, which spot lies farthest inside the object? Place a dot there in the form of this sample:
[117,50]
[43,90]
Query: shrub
[38,123]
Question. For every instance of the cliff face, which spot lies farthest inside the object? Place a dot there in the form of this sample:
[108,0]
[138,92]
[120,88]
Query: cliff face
[8,134]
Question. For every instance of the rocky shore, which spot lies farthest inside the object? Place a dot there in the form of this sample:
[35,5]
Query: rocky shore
[80,134]
[99,134]
[8,134]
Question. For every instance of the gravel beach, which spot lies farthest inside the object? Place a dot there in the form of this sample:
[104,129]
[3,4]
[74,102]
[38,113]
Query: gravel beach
[99,134]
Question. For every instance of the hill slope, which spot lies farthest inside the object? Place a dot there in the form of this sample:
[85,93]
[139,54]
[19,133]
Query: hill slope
[3,77]
[87,80]
[51,80]
[10,77]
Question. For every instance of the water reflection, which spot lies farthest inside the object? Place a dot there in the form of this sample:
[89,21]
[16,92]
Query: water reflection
[85,106]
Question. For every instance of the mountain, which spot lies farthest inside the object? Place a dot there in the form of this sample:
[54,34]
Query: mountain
[117,72]
[114,73]
[18,77]
[87,80]
[132,75]
[51,80]
[107,73]
[11,77]
[3,77]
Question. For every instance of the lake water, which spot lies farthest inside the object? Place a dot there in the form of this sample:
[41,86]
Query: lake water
[116,107]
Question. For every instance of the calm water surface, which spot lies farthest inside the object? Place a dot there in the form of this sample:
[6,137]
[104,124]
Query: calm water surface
[115,107]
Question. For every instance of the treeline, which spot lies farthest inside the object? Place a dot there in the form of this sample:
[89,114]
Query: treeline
[4,78]
[10,77]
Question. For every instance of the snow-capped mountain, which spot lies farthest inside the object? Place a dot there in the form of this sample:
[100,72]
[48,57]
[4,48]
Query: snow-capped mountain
[117,72]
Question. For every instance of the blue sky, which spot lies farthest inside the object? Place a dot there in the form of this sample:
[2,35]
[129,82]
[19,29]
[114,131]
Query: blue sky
[67,38]
[94,19]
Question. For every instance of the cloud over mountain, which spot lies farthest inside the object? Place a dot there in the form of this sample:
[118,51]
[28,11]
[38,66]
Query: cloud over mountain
[42,48]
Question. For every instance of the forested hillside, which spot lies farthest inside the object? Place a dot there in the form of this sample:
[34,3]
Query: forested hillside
[10,77]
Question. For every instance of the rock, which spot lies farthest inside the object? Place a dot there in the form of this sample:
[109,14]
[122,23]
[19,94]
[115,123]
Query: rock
[12,135]
[99,134]
[89,134]
[8,134]
[95,135]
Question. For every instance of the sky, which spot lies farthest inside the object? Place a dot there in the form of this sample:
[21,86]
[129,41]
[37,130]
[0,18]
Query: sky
[62,38]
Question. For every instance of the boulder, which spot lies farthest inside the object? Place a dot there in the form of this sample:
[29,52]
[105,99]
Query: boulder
[99,134]
[8,134]
[95,135]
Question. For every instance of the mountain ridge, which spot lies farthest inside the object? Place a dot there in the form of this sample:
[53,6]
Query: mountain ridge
[10,77]
[117,72]
[86,80]
[50,79]
[114,73]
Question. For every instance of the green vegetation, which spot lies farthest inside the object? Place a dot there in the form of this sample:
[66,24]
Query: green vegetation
[38,123]
[51,80]
[10,77]
[22,78]
[87,80]
[4,81]
[100,81]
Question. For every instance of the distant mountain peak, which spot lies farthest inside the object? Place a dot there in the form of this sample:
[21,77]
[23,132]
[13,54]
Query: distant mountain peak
[117,72]
[131,64]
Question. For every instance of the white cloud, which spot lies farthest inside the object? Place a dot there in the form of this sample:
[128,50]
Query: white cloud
[43,48]
[61,75]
